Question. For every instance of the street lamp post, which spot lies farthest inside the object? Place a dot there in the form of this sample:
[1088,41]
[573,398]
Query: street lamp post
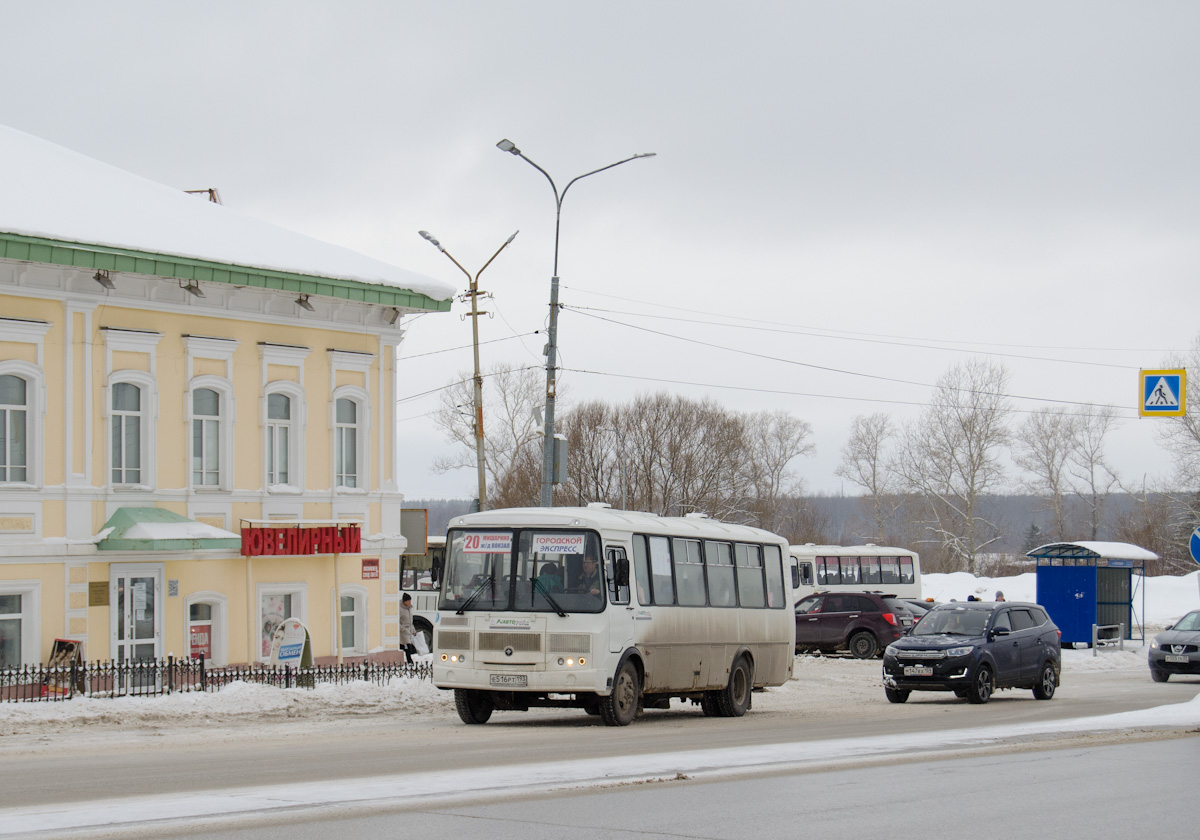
[552,328]
[475,313]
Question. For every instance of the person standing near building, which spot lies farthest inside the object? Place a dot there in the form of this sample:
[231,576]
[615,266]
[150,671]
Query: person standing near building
[408,632]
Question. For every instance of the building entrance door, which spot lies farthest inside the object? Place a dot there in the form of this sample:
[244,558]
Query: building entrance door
[135,596]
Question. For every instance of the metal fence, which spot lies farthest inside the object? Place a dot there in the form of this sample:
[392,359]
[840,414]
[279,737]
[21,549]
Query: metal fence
[148,678]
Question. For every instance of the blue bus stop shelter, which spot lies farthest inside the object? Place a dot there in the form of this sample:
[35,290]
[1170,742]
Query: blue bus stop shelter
[1086,583]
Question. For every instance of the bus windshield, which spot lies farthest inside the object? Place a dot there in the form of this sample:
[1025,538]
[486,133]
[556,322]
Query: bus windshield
[533,570]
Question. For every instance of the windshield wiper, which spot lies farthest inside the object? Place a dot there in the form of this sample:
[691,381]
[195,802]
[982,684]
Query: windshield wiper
[478,589]
[540,587]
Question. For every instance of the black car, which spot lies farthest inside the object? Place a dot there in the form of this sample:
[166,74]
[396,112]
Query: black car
[1177,651]
[860,622]
[975,648]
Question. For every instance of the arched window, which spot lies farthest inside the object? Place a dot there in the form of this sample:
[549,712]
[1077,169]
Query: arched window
[14,429]
[279,427]
[206,438]
[127,425]
[346,443]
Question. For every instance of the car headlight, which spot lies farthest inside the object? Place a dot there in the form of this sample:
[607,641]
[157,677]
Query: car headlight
[1154,644]
[960,651]
[890,650]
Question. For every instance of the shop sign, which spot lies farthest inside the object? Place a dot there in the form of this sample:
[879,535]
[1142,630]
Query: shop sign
[370,568]
[296,541]
[290,644]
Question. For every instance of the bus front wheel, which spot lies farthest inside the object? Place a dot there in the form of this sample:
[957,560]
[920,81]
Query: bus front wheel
[472,706]
[620,707]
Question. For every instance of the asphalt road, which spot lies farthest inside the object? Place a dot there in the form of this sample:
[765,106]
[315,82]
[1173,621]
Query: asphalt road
[55,770]
[1079,793]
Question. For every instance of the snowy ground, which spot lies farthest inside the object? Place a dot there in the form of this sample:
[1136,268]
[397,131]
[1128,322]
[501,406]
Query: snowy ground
[818,680]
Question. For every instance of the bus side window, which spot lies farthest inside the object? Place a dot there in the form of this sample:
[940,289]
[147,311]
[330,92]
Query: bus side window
[806,574]
[617,575]
[641,569]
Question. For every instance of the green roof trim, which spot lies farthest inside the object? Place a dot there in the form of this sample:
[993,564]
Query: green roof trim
[103,258]
[155,529]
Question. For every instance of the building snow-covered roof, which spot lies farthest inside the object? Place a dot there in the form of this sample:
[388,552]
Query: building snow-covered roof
[49,194]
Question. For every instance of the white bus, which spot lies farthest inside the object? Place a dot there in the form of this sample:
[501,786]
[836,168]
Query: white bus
[855,568]
[704,616]
[419,575]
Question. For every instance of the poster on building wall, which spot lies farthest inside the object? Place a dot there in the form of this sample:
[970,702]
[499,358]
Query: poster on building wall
[370,568]
[200,641]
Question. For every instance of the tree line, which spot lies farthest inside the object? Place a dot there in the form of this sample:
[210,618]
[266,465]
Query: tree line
[926,484]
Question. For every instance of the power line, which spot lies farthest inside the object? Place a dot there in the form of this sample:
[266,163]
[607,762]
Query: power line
[823,367]
[676,308]
[804,393]
[466,346]
[849,337]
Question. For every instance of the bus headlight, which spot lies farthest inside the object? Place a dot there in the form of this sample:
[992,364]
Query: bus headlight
[453,657]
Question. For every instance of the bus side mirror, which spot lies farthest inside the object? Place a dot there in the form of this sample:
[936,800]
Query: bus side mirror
[621,571]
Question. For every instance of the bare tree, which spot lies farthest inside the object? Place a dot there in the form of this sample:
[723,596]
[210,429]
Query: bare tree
[510,426]
[865,463]
[774,439]
[950,456]
[1042,448]
[1092,479]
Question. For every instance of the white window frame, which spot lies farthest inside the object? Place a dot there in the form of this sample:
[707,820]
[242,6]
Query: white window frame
[362,426]
[299,592]
[149,425]
[30,615]
[220,624]
[225,421]
[361,597]
[296,428]
[34,419]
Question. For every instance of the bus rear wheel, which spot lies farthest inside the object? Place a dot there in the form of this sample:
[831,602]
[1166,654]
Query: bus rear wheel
[473,706]
[734,700]
[620,707]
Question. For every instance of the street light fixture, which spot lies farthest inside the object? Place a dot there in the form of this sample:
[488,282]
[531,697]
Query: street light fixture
[475,313]
[552,330]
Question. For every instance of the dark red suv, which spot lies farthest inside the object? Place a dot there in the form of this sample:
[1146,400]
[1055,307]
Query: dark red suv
[863,623]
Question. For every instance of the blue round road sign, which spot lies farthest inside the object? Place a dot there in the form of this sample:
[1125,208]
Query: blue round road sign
[1195,545]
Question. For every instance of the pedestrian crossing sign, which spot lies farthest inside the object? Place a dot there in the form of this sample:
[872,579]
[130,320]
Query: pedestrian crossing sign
[1163,393]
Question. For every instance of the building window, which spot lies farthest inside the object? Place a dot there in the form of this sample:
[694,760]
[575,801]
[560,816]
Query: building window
[276,603]
[279,420]
[352,614]
[19,630]
[206,437]
[126,434]
[11,619]
[14,426]
[346,434]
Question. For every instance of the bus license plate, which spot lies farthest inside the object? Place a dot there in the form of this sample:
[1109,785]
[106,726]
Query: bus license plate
[509,680]
[1170,657]
[918,670]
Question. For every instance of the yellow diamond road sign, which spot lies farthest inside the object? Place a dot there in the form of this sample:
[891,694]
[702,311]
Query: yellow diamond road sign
[1162,393]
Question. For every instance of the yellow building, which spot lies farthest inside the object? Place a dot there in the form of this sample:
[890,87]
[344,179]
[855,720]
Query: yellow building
[171,373]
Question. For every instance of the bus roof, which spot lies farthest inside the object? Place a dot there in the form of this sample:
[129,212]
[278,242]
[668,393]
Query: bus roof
[811,550]
[619,520]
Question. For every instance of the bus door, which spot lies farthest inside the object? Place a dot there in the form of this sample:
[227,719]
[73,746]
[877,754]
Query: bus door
[616,576]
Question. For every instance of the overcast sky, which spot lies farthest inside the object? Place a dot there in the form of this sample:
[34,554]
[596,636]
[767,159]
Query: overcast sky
[845,178]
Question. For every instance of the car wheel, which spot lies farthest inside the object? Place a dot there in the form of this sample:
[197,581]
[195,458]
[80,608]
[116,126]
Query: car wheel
[896,695]
[863,645]
[472,706]
[1159,675]
[734,700]
[982,686]
[1047,682]
[620,707]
